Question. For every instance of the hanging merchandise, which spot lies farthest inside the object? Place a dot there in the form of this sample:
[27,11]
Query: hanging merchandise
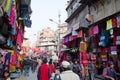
[12,31]
[14,58]
[114,22]
[83,46]
[80,33]
[4,30]
[84,59]
[116,33]
[28,23]
[12,15]
[118,21]
[104,38]
[7,60]
[95,29]
[109,24]
[91,31]
[9,42]
[118,40]
[70,38]
[2,39]
[24,12]
[1,12]
[74,33]
[113,50]
[8,7]
[103,54]
[104,57]
[25,2]
[93,57]
[19,37]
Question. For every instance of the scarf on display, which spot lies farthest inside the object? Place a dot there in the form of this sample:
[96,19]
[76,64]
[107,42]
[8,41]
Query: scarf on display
[12,15]
[109,24]
[84,59]
[104,38]
[25,2]
[118,21]
[19,37]
[8,6]
[24,12]
[114,22]
[28,23]
[83,46]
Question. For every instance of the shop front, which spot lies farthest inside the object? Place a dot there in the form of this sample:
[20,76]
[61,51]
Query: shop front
[104,41]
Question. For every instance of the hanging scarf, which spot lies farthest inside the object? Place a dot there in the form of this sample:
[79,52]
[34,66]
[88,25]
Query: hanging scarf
[19,37]
[8,6]
[109,24]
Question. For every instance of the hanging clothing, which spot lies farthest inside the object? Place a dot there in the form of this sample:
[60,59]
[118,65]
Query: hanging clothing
[83,46]
[19,37]
[12,15]
[114,22]
[118,21]
[8,6]
[7,58]
[109,24]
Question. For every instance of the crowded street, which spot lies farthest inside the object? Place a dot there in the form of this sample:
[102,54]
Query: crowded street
[59,39]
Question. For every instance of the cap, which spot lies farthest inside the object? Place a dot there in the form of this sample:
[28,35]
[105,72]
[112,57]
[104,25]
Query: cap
[65,64]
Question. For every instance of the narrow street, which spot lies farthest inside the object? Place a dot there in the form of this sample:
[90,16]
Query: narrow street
[32,76]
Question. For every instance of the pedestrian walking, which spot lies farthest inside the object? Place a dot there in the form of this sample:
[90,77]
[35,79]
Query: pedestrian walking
[76,67]
[26,66]
[109,72]
[52,67]
[67,73]
[91,70]
[44,71]
[71,65]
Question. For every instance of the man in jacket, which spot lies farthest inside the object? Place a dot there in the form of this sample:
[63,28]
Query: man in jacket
[44,71]
[67,73]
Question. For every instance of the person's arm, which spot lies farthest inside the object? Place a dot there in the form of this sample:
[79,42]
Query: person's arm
[38,74]
[49,74]
[105,74]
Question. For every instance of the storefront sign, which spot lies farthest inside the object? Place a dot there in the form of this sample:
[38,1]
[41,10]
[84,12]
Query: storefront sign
[76,26]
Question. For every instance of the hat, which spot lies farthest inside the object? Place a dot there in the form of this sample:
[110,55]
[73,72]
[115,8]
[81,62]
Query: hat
[65,64]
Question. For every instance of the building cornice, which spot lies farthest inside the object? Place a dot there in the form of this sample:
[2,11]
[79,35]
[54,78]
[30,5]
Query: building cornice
[78,10]
[70,4]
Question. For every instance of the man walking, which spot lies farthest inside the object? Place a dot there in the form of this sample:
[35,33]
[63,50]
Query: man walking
[44,71]
[67,73]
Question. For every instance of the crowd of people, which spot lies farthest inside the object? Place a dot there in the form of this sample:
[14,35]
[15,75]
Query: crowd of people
[47,69]
[69,70]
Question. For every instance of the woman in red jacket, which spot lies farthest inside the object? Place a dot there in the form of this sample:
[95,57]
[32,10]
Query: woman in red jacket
[44,71]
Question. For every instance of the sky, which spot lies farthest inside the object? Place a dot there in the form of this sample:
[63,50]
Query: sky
[43,10]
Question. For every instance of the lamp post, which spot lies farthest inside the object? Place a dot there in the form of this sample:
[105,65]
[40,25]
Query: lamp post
[59,24]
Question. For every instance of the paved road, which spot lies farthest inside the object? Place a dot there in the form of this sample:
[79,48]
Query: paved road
[32,76]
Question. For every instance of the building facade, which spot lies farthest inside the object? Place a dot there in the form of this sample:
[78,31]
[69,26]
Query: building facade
[46,40]
[93,28]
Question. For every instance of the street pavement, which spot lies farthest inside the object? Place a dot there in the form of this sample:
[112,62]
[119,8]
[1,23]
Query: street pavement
[33,76]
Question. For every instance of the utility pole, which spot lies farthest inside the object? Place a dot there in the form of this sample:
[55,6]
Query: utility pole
[59,15]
